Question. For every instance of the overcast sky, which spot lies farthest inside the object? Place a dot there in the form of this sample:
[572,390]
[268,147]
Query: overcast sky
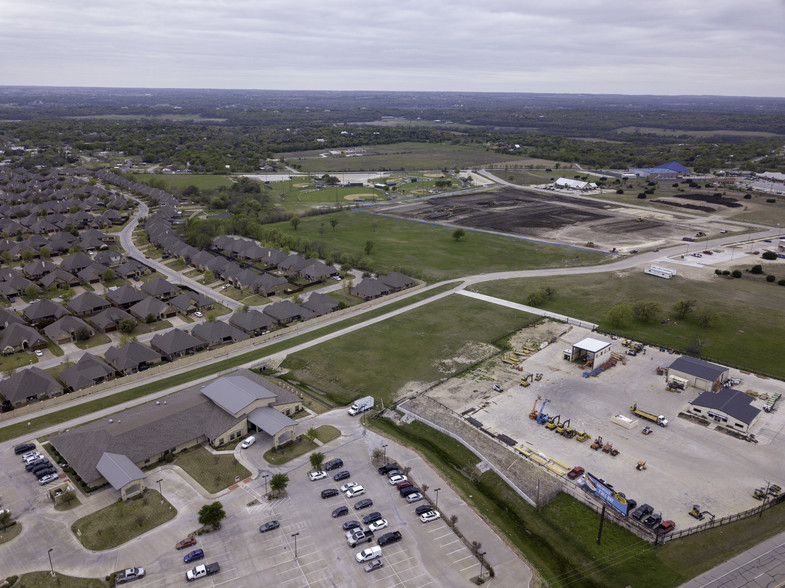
[730,47]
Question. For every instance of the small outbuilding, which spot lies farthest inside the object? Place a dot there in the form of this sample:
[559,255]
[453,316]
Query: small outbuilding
[728,406]
[592,352]
[701,374]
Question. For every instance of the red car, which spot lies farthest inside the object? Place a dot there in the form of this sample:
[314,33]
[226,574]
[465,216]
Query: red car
[665,527]
[404,484]
[575,472]
[187,542]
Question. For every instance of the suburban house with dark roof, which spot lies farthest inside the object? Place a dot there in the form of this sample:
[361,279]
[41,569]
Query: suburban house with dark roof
[88,371]
[151,306]
[699,373]
[131,358]
[59,279]
[286,311]
[87,303]
[397,281]
[729,407]
[253,322]
[20,337]
[109,320]
[217,413]
[217,333]
[93,273]
[320,304]
[29,385]
[270,285]
[370,288]
[160,288]
[43,310]
[125,296]
[176,343]
[65,330]
[188,302]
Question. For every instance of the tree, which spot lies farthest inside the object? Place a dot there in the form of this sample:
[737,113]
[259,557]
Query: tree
[27,255]
[212,514]
[705,317]
[46,253]
[150,318]
[82,334]
[377,454]
[620,314]
[31,291]
[294,221]
[756,269]
[682,308]
[208,276]
[369,246]
[333,222]
[127,326]
[312,434]
[278,483]
[458,234]
[646,311]
[108,275]
[5,518]
[317,460]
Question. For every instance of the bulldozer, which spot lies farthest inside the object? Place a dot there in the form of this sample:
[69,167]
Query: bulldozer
[583,436]
[597,443]
[641,465]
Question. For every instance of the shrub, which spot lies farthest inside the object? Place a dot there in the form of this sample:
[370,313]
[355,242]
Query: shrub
[642,195]
[717,272]
[620,191]
[771,200]
[769,255]
[756,269]
[781,283]
[770,278]
[748,197]
[736,273]
[725,272]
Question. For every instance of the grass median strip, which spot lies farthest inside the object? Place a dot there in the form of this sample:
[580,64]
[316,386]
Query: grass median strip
[72,412]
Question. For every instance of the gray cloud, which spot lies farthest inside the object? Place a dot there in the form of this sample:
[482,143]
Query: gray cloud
[667,47]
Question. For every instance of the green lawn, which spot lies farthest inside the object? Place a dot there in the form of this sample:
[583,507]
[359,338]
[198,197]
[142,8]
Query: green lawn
[98,339]
[749,319]
[415,346]
[122,521]
[304,445]
[431,250]
[45,580]
[213,472]
[177,183]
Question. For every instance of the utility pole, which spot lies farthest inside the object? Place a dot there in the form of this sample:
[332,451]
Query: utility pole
[602,520]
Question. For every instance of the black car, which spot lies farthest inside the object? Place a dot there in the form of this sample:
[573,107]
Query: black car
[44,465]
[341,475]
[340,511]
[372,518]
[349,525]
[330,492]
[269,526]
[388,468]
[333,464]
[364,503]
[631,504]
[389,538]
[652,520]
[35,463]
[409,490]
[24,448]
[642,511]
[45,472]
[423,509]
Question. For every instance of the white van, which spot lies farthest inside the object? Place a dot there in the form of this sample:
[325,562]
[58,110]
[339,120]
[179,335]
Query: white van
[369,554]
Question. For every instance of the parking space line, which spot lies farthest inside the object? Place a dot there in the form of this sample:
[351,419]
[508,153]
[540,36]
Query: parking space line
[463,558]
[454,551]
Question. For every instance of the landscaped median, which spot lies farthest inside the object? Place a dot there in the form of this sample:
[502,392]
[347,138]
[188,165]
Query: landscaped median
[213,472]
[120,522]
[303,445]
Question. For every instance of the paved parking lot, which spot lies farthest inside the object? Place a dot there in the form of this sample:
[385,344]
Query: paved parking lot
[686,463]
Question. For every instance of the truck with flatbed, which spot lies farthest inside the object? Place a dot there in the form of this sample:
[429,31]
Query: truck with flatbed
[659,419]
[202,571]
[361,405]
[357,536]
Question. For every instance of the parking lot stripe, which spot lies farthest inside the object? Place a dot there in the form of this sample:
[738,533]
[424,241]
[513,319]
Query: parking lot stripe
[454,551]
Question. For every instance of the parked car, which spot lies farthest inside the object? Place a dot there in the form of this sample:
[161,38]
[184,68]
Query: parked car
[387,468]
[248,442]
[422,509]
[631,504]
[365,503]
[349,525]
[497,388]
[24,448]
[333,464]
[371,518]
[378,525]
[392,473]
[47,472]
[47,479]
[269,526]
[317,476]
[375,564]
[348,485]
[31,457]
[409,490]
[330,492]
[414,497]
[129,575]
[354,491]
[404,484]
[388,538]
[198,314]
[342,475]
[642,511]
[575,472]
[35,463]
[195,555]
[187,542]
[396,479]
[665,527]
[652,520]
[340,511]
[39,353]
[431,515]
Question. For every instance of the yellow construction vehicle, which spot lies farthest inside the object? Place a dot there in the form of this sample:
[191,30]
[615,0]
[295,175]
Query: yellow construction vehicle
[583,436]
[553,422]
[525,382]
[641,466]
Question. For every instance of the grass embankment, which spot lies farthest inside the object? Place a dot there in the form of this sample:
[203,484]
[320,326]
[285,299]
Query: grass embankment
[45,580]
[122,521]
[37,423]
[434,341]
[401,244]
[213,472]
[325,434]
[745,332]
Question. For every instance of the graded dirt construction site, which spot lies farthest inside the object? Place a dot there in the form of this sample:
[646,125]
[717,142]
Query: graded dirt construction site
[686,463]
[557,217]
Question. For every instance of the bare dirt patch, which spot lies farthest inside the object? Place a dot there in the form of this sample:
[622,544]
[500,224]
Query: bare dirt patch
[301,185]
[359,196]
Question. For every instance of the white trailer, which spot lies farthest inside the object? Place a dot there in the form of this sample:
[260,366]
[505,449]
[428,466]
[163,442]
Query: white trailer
[660,272]
[361,405]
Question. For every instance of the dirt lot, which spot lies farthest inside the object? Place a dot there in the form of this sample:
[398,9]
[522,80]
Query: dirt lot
[687,463]
[555,217]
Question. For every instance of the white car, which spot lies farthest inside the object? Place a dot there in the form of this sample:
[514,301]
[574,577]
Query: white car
[30,458]
[378,525]
[198,314]
[248,442]
[355,491]
[317,476]
[395,479]
[46,479]
[430,516]
[414,497]
[39,353]
[348,485]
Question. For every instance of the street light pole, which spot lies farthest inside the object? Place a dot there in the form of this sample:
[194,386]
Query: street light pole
[482,553]
[295,543]
[265,476]
[51,567]
[437,497]
[160,491]
[384,448]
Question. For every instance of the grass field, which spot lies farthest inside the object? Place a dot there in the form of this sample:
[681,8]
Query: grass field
[177,183]
[400,156]
[122,521]
[692,133]
[749,319]
[431,249]
[213,472]
[45,580]
[423,344]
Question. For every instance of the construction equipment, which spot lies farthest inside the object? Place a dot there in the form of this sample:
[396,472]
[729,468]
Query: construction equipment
[641,466]
[659,419]
[772,401]
[538,377]
[607,448]
[775,490]
[533,413]
[646,430]
[759,494]
[525,383]
[614,452]
[597,443]
[583,436]
[540,417]
[675,384]
[563,427]
[553,422]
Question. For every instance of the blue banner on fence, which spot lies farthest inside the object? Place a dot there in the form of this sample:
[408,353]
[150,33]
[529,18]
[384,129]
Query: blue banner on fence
[606,494]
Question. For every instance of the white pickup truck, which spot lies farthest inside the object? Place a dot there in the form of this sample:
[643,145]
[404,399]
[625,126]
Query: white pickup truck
[202,571]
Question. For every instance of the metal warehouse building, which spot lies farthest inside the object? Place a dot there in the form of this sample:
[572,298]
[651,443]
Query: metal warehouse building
[729,407]
[701,374]
[593,352]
